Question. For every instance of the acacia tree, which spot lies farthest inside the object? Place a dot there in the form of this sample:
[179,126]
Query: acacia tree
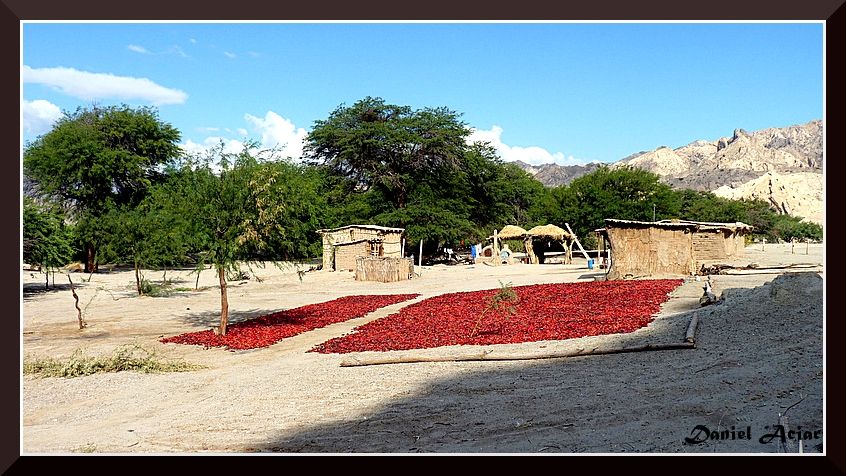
[238,207]
[94,159]
[387,146]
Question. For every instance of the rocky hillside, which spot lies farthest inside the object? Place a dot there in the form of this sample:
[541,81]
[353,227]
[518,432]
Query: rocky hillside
[780,165]
[553,175]
[799,194]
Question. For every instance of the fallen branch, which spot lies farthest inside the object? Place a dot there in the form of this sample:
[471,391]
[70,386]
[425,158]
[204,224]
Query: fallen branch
[82,323]
[487,355]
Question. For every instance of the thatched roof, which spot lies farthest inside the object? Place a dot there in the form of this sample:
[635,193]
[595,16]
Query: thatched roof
[550,231]
[511,231]
[364,227]
[681,224]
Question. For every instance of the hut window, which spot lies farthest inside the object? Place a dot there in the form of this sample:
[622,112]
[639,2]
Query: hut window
[376,248]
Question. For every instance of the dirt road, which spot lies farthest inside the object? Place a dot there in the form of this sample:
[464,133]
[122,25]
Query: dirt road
[758,354]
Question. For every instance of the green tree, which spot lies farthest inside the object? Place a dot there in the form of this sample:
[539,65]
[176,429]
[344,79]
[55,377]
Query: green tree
[623,193]
[150,236]
[386,146]
[46,239]
[240,208]
[101,157]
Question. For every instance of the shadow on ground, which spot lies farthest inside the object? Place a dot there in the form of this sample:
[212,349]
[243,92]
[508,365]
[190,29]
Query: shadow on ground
[757,354]
[32,290]
[212,318]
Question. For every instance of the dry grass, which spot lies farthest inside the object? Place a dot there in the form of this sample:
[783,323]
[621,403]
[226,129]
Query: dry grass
[131,357]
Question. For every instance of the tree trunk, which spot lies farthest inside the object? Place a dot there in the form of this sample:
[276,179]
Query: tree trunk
[82,323]
[90,264]
[224,302]
[530,251]
[47,279]
[138,279]
[401,197]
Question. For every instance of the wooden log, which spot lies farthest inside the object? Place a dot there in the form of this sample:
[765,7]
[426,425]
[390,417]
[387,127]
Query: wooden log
[488,355]
[690,335]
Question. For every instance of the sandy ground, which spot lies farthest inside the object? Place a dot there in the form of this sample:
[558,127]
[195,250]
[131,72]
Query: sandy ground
[759,355]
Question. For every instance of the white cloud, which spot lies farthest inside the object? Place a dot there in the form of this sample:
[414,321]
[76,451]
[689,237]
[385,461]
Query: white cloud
[94,86]
[193,41]
[278,132]
[230,55]
[532,155]
[253,54]
[138,49]
[39,116]
[230,146]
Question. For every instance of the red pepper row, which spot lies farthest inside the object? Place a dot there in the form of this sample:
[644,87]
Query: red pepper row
[544,312]
[266,330]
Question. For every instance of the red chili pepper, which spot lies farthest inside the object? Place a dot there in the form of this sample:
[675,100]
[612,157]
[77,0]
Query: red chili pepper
[544,312]
[266,330]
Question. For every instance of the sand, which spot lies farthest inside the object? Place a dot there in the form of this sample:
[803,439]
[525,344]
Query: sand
[758,353]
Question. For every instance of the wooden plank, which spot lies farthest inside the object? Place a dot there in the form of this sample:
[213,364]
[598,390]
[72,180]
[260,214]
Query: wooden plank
[576,238]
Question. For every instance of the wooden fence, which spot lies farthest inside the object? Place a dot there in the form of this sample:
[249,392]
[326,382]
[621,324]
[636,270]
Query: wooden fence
[383,268]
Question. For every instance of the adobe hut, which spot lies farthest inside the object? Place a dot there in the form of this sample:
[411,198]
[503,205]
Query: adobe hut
[341,246]
[666,248]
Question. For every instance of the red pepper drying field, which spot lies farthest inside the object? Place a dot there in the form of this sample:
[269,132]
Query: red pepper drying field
[266,330]
[544,312]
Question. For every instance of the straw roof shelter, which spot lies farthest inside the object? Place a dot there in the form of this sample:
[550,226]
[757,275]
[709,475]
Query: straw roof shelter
[511,231]
[550,231]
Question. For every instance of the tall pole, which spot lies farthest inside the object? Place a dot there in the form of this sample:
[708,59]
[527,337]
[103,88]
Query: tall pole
[495,249]
[420,258]
[653,212]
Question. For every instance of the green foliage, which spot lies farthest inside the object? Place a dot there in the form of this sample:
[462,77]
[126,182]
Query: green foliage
[787,228]
[130,357]
[97,159]
[249,209]
[164,288]
[46,239]
[386,146]
[102,154]
[394,166]
[623,193]
[150,235]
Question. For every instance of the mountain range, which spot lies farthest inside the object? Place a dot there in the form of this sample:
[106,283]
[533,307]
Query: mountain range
[783,166]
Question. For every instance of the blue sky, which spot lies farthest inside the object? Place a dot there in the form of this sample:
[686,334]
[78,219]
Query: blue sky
[541,92]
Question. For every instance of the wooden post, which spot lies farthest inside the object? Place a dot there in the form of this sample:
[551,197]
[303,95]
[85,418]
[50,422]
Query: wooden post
[495,249]
[420,258]
[792,243]
[807,241]
[402,249]
[763,242]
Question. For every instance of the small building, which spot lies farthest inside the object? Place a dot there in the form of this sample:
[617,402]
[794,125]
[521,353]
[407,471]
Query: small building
[669,247]
[341,246]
